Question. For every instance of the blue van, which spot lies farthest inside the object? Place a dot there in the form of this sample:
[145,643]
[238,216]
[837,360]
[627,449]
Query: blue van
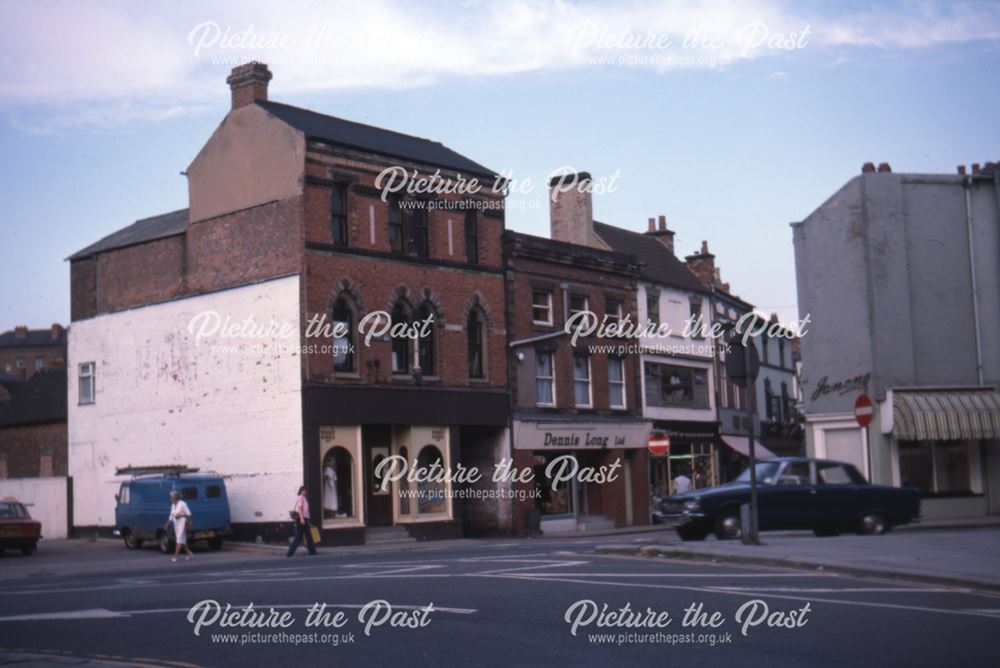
[143,506]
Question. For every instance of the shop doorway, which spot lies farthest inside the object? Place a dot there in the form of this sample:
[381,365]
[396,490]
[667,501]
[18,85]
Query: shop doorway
[378,502]
[697,461]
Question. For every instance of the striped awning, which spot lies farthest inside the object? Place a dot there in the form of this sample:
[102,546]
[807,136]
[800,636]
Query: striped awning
[945,415]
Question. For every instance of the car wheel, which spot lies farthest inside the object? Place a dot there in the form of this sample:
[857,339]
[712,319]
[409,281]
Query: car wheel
[691,533]
[131,542]
[824,533]
[166,546]
[727,525]
[215,544]
[26,551]
[873,524]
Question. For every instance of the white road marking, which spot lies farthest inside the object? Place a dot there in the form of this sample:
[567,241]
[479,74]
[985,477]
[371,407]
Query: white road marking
[864,604]
[102,613]
[862,590]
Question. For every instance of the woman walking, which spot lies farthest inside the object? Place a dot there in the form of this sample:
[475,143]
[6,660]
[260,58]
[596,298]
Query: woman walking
[180,515]
[302,529]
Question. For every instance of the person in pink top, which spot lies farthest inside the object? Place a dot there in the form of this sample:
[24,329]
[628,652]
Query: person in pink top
[302,524]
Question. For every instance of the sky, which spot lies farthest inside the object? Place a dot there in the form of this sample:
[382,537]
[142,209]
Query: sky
[733,119]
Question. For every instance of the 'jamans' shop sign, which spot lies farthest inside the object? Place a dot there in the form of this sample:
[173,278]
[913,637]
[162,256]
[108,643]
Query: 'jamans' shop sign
[561,436]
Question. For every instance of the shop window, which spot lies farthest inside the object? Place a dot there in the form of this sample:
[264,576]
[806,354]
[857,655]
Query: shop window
[545,394]
[552,500]
[343,342]
[936,467]
[87,382]
[474,335]
[616,382]
[426,353]
[669,386]
[400,344]
[431,495]
[404,486]
[338,484]
[338,214]
[581,380]
[541,307]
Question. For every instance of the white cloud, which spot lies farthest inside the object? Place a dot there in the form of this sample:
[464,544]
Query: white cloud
[119,62]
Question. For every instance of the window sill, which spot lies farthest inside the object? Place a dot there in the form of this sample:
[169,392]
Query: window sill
[347,375]
[479,381]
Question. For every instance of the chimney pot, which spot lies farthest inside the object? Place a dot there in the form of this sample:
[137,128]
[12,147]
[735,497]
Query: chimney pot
[704,248]
[57,330]
[975,169]
[884,167]
[868,168]
[961,170]
[663,223]
[652,224]
[248,83]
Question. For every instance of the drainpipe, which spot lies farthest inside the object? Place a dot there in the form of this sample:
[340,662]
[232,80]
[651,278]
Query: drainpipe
[967,184]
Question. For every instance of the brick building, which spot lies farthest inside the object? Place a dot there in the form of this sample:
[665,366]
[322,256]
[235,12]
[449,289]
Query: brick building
[246,333]
[24,351]
[575,404]
[33,425]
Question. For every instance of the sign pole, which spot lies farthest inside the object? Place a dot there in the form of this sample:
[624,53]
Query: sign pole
[750,534]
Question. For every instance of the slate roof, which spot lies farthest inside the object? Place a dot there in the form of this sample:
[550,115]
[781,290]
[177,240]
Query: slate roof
[659,264]
[370,138]
[41,398]
[145,229]
[36,338]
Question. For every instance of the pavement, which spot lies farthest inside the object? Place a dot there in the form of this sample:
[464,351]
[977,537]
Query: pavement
[963,558]
[503,602]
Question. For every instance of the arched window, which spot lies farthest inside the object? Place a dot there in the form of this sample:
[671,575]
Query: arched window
[400,344]
[343,336]
[474,334]
[338,484]
[431,494]
[426,354]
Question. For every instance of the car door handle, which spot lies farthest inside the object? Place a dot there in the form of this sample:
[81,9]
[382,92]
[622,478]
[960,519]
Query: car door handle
[812,491]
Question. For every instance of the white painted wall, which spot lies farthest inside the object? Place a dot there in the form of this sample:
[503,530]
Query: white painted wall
[161,399]
[46,501]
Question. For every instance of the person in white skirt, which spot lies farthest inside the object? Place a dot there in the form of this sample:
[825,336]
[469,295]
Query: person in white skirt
[179,515]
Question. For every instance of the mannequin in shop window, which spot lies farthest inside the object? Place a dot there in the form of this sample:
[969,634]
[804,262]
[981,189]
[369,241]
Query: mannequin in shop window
[331,503]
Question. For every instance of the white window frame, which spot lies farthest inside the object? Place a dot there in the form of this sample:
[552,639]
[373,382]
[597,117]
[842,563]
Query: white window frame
[551,378]
[87,371]
[547,306]
[586,304]
[624,404]
[589,380]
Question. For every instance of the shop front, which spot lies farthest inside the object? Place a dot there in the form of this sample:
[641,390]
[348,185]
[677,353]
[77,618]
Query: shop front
[582,475]
[693,453]
[387,457]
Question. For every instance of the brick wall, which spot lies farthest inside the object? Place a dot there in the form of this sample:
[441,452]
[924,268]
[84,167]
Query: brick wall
[24,447]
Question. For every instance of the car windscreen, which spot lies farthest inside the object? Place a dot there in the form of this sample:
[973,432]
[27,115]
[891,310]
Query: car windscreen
[12,511]
[765,472]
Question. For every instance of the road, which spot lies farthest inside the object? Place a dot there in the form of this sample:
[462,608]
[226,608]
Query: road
[497,602]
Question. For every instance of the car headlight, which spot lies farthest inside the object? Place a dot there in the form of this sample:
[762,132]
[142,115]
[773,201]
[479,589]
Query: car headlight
[692,504]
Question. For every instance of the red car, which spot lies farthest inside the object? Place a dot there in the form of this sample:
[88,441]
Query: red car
[17,529]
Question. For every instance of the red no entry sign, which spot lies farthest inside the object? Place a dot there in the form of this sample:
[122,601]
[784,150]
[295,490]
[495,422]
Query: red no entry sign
[658,443]
[864,410]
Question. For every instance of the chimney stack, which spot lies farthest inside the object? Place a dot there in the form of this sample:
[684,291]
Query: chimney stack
[249,83]
[883,167]
[702,265]
[868,168]
[57,331]
[961,170]
[21,332]
[975,169]
[571,209]
[661,233]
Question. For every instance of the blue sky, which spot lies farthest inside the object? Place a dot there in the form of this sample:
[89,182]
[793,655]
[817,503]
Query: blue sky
[103,105]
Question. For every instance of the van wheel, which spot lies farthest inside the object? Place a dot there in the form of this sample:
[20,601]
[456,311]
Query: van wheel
[131,542]
[214,544]
[166,546]
[727,525]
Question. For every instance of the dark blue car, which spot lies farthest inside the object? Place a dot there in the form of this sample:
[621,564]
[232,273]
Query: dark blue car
[144,505]
[823,496]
